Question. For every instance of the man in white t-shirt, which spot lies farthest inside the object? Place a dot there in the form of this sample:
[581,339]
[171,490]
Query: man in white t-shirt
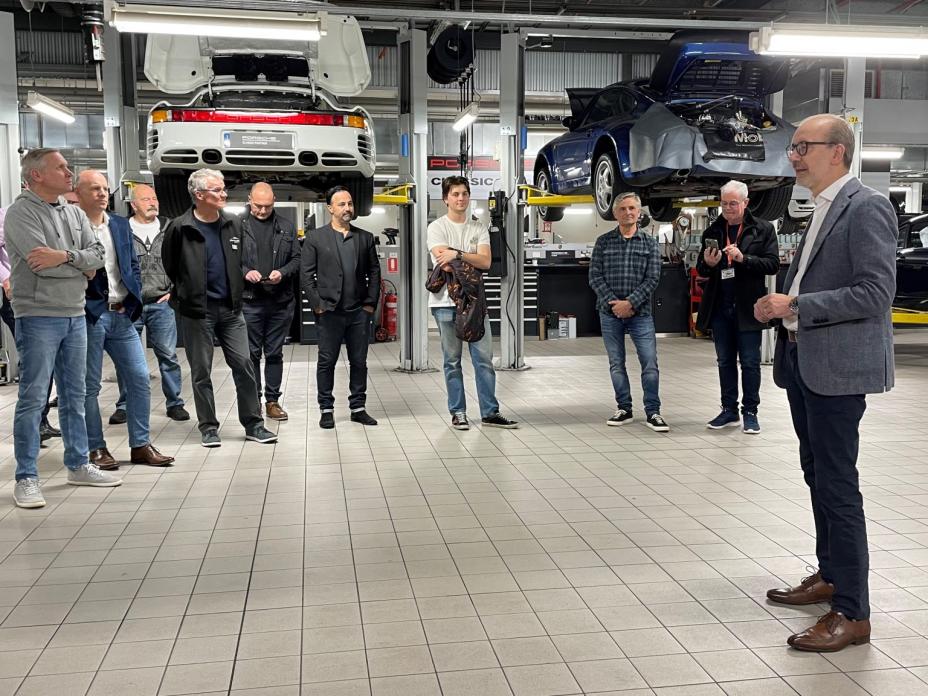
[456,236]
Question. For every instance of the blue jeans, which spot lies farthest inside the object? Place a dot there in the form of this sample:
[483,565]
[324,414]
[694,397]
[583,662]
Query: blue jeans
[641,329]
[732,345]
[115,333]
[481,357]
[47,345]
[162,333]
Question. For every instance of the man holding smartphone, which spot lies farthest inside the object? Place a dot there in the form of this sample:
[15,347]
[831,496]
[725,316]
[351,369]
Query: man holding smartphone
[738,252]
[270,262]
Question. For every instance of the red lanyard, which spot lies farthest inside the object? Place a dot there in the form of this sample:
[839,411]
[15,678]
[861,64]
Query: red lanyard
[738,238]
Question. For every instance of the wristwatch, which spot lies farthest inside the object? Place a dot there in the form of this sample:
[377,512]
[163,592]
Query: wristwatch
[794,305]
[460,254]
[71,256]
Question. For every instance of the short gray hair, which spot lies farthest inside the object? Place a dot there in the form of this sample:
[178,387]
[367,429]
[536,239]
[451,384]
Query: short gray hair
[840,132]
[197,180]
[34,160]
[619,197]
[738,187]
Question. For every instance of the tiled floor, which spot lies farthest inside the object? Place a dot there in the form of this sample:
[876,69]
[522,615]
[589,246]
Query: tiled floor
[411,559]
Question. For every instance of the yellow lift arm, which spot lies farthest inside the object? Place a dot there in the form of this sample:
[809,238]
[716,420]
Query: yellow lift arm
[529,195]
[404,194]
[909,316]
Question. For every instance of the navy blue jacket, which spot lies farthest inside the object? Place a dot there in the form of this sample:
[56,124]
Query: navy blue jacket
[98,287]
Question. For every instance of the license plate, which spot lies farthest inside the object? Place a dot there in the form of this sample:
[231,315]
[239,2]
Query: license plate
[257,140]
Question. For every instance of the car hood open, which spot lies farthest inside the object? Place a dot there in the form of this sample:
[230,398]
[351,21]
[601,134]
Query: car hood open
[337,63]
[697,65]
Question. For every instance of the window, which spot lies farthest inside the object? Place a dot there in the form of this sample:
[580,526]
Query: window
[616,102]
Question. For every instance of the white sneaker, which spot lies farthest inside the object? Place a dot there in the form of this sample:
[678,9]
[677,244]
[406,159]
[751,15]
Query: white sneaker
[90,475]
[27,494]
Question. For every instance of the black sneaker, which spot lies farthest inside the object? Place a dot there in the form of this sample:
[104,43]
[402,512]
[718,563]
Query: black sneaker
[363,417]
[178,413]
[657,423]
[620,417]
[459,422]
[260,434]
[47,431]
[497,421]
[327,420]
[211,438]
[118,417]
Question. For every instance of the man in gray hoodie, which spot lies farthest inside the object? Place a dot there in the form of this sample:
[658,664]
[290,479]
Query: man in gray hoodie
[52,252]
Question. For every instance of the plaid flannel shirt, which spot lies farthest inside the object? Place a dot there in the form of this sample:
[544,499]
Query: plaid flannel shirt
[625,269]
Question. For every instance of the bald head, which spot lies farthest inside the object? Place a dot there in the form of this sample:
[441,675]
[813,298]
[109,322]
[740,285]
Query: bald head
[93,193]
[261,200]
[144,204]
[826,142]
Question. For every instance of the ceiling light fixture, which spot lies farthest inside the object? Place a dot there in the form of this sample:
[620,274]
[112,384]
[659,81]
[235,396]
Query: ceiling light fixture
[841,41]
[49,107]
[187,21]
[466,117]
[578,211]
[886,153]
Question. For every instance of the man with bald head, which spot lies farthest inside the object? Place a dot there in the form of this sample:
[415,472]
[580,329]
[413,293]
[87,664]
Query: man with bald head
[114,302]
[157,314]
[270,262]
[835,346]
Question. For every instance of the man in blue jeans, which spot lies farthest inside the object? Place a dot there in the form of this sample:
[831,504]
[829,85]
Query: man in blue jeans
[157,315]
[457,236]
[52,252]
[624,270]
[114,301]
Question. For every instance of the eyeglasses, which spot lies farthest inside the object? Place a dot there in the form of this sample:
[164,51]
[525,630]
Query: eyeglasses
[802,147]
[731,204]
[217,191]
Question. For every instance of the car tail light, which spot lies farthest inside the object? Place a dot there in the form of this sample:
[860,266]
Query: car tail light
[160,116]
[290,118]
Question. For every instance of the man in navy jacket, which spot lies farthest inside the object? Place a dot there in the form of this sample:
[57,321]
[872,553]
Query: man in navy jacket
[114,302]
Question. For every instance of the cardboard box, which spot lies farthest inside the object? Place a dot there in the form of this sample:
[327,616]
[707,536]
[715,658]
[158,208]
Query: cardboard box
[567,326]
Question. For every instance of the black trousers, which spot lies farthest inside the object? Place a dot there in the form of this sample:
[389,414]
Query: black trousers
[268,326]
[827,427]
[232,334]
[352,328]
[6,314]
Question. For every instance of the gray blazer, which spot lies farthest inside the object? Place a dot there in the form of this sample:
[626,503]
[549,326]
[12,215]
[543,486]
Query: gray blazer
[845,337]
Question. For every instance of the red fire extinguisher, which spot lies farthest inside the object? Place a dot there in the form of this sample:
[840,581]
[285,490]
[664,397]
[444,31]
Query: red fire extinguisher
[388,329]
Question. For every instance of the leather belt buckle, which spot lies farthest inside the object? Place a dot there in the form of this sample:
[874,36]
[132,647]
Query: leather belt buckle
[115,307]
[793,336]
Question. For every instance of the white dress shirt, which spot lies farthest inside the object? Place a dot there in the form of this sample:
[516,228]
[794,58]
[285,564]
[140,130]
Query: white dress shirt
[823,203]
[117,291]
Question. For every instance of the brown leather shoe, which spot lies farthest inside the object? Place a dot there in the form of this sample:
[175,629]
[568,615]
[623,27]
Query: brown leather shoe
[275,412]
[810,591]
[103,459]
[833,632]
[147,454]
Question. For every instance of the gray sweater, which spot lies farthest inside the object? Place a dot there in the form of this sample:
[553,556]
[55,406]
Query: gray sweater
[55,292]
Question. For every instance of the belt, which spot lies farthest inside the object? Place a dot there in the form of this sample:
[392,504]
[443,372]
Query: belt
[115,307]
[792,336]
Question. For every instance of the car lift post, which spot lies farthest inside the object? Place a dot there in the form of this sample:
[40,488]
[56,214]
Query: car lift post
[769,336]
[9,157]
[511,166]
[120,115]
[413,218]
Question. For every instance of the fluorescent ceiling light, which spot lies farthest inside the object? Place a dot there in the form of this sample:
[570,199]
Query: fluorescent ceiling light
[900,189]
[578,211]
[378,210]
[842,41]
[49,107]
[466,117]
[881,153]
[187,21]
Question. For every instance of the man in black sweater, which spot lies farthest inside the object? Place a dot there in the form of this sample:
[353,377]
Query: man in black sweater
[341,278]
[201,253]
[270,262]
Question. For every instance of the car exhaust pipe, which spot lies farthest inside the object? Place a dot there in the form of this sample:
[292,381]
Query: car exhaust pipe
[683,173]
[211,156]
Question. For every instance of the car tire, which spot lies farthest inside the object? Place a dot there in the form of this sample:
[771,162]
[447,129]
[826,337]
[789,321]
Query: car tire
[173,196]
[362,194]
[663,209]
[543,183]
[606,183]
[770,204]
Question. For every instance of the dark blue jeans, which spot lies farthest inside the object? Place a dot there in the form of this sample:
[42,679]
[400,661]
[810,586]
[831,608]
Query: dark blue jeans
[732,345]
[827,428]
[162,334]
[641,329]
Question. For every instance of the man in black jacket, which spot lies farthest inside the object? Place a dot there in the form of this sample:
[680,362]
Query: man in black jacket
[341,278]
[738,252]
[201,253]
[270,262]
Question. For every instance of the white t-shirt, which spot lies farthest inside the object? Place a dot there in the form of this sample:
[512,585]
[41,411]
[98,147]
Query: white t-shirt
[146,231]
[465,236]
[117,291]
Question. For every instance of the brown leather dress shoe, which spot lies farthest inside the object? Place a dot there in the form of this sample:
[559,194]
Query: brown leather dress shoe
[810,591]
[275,412]
[833,632]
[147,454]
[103,459]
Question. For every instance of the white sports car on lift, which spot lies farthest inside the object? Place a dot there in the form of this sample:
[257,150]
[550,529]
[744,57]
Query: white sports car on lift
[265,111]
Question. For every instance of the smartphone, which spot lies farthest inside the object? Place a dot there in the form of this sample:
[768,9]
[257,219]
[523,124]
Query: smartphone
[712,244]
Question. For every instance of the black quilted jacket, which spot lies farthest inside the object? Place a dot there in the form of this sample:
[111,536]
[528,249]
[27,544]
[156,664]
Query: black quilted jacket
[465,288]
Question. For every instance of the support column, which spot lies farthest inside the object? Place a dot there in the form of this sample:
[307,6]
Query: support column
[9,113]
[855,74]
[913,198]
[120,115]
[413,311]
[769,336]
[512,155]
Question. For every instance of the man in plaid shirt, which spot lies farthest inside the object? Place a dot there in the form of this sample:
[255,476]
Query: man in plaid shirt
[624,271]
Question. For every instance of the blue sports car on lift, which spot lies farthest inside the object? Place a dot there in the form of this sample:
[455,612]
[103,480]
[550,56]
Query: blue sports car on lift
[698,121]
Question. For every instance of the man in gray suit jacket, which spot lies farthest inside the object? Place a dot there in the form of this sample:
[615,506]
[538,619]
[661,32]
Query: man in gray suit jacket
[834,347]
